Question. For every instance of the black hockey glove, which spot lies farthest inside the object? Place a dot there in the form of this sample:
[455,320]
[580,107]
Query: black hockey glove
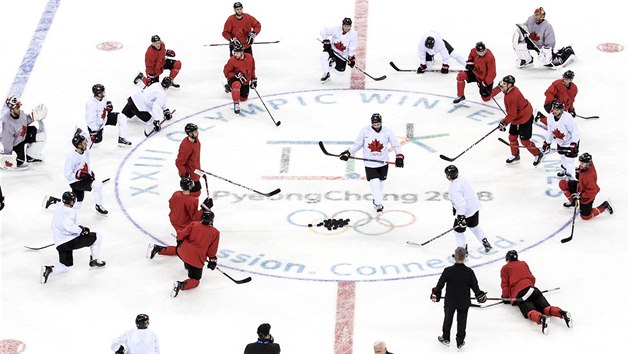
[109,106]
[546,147]
[351,61]
[444,69]
[572,112]
[84,231]
[470,65]
[435,295]
[482,297]
[121,350]
[345,155]
[170,53]
[253,83]
[167,114]
[484,89]
[208,203]
[250,37]
[506,301]
[400,160]
[212,263]
[327,45]
[461,220]
[421,69]
[502,126]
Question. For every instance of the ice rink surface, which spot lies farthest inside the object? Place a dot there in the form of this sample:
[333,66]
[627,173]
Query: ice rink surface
[322,291]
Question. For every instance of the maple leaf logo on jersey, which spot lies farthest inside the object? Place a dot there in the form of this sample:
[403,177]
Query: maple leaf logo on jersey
[339,45]
[375,145]
[558,134]
[23,131]
[534,36]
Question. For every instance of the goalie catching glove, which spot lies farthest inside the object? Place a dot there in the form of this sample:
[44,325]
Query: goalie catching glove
[39,112]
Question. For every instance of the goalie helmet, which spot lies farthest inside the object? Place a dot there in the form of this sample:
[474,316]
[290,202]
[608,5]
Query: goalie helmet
[13,102]
[451,172]
[155,38]
[540,11]
[376,118]
[511,255]
[557,105]
[142,321]
[167,82]
[347,21]
[68,198]
[77,140]
[98,89]
[207,217]
[509,79]
[568,75]
[429,42]
[190,127]
[586,158]
[480,47]
[186,183]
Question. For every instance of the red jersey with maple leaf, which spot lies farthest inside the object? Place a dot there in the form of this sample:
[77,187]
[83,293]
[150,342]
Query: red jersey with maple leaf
[559,91]
[375,145]
[14,130]
[342,43]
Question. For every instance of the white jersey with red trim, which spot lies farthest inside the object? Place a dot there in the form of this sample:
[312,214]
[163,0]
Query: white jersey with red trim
[375,145]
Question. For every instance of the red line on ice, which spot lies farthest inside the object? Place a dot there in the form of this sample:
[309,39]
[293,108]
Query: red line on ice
[344,321]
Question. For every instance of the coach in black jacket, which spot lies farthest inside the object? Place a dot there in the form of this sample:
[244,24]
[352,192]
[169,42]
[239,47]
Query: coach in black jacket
[459,279]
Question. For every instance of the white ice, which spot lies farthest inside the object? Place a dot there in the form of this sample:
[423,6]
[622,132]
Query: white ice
[82,311]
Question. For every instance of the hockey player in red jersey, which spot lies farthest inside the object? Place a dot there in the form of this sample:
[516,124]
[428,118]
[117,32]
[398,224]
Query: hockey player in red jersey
[241,29]
[156,59]
[240,72]
[195,243]
[584,189]
[562,90]
[480,68]
[518,282]
[520,118]
[189,157]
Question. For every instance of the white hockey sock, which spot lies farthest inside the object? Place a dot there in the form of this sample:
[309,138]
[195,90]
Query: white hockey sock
[121,122]
[95,248]
[77,205]
[569,164]
[460,238]
[97,191]
[478,233]
[59,268]
[324,61]
[377,193]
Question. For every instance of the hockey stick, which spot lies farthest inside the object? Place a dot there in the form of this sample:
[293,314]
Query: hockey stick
[500,300]
[222,44]
[434,238]
[525,147]
[270,194]
[242,281]
[415,71]
[565,240]
[39,248]
[263,102]
[162,121]
[340,56]
[321,146]
[589,117]
[470,147]
[205,179]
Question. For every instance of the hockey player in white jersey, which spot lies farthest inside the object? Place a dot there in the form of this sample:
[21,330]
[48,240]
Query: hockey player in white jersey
[374,140]
[562,128]
[138,340]
[340,47]
[99,113]
[466,207]
[80,175]
[149,104]
[432,43]
[69,236]
[22,142]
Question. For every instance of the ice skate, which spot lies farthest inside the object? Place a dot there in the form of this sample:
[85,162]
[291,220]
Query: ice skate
[50,200]
[173,84]
[567,318]
[461,345]
[606,205]
[101,210]
[544,321]
[46,270]
[177,286]
[96,264]
[538,159]
[459,99]
[513,160]
[237,108]
[525,63]
[325,78]
[379,207]
[153,250]
[32,159]
[486,245]
[123,142]
[138,78]
[446,342]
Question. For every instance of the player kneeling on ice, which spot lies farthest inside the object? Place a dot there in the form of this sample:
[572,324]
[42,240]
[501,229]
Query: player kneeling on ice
[562,128]
[340,47]
[538,35]
[584,189]
[562,90]
[518,282]
[69,236]
[432,43]
[138,340]
[466,206]
[480,68]
[374,140]
[19,136]
[149,104]
[157,59]
[459,280]
[240,72]
[195,243]
[183,205]
[98,114]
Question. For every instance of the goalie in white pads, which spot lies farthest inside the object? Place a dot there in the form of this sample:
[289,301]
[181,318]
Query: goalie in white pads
[69,236]
[19,136]
[98,114]
[374,139]
[340,47]
[538,35]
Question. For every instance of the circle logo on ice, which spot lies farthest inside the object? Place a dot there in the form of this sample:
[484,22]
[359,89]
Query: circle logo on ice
[109,46]
[268,235]
[610,47]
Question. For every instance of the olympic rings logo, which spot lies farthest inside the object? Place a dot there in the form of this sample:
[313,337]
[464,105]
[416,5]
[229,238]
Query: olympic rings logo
[361,221]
